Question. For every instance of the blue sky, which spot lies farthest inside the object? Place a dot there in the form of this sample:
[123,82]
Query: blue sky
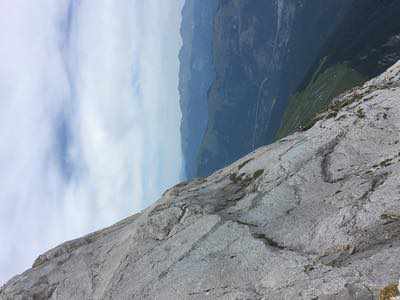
[89,117]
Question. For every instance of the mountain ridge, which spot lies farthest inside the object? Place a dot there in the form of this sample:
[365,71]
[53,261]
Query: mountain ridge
[313,216]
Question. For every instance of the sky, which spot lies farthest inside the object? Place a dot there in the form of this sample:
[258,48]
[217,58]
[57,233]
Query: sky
[89,117]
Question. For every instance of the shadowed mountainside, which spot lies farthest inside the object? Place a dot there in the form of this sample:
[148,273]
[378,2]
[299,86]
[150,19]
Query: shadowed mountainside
[275,65]
[196,75]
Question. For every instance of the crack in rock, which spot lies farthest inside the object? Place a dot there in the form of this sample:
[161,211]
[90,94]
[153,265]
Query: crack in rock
[326,152]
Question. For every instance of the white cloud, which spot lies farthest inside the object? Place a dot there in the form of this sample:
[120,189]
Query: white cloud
[89,117]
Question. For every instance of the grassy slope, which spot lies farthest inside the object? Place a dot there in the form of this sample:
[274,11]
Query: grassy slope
[316,96]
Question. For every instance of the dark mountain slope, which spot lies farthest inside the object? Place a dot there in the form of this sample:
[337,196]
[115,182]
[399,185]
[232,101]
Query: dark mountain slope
[267,52]
[365,44]
[195,76]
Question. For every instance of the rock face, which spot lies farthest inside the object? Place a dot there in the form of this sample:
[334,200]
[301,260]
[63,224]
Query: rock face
[313,216]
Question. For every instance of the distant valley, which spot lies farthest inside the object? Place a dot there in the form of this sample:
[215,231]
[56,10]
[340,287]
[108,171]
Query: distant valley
[253,71]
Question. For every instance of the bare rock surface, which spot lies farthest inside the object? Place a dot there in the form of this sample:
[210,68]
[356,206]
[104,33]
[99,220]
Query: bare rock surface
[313,216]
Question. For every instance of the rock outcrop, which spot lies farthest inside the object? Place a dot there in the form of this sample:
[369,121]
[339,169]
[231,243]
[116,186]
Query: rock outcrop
[315,215]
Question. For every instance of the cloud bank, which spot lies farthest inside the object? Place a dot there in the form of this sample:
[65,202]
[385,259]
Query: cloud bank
[89,117]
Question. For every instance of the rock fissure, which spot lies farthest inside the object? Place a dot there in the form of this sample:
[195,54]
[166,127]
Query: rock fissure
[325,152]
[192,248]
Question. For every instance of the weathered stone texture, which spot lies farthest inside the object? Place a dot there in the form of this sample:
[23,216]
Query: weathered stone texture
[314,216]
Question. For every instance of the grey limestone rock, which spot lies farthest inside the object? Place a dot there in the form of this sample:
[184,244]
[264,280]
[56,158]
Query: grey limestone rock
[315,215]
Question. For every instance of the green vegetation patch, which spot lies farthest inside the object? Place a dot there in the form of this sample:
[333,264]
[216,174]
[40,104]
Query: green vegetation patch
[316,96]
[360,113]
[258,173]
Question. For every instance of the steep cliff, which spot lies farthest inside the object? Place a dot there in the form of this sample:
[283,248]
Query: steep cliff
[283,59]
[315,215]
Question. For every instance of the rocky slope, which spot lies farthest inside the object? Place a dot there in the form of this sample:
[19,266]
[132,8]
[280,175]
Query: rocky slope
[313,216]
